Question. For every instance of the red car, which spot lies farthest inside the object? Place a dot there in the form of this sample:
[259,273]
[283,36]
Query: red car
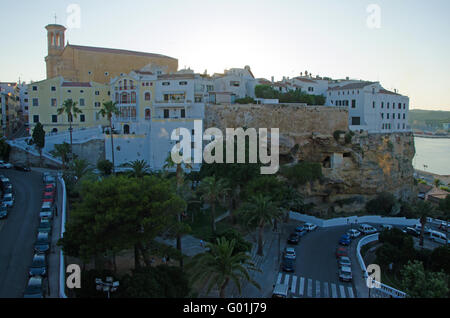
[341,251]
[50,188]
[48,197]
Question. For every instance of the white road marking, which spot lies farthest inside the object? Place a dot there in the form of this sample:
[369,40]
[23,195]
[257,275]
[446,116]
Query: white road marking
[317,289]
[293,284]
[325,290]
[309,287]
[302,286]
[342,289]
[279,278]
[333,291]
[350,292]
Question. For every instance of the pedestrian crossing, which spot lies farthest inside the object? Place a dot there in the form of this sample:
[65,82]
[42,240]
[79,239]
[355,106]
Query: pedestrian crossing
[307,287]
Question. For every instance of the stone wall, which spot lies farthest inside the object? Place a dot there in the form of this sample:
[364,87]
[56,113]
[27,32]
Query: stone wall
[92,151]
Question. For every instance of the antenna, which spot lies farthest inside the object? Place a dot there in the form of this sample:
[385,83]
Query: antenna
[55,18]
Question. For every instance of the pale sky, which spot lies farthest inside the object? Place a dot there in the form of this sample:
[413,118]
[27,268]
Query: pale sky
[409,52]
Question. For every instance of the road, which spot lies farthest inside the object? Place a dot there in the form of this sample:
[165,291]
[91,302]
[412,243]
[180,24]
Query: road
[18,233]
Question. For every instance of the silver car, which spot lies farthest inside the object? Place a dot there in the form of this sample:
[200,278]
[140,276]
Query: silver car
[8,199]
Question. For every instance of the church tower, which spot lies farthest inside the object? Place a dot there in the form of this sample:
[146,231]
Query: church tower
[55,44]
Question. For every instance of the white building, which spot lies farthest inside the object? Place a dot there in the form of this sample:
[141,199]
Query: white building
[237,81]
[371,107]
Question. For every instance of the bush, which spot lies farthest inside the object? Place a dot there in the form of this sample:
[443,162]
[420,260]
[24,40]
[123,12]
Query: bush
[337,134]
[105,167]
[245,100]
[231,234]
[382,204]
[348,138]
[302,172]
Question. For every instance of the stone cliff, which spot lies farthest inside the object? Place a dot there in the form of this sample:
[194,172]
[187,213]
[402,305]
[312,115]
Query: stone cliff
[355,166]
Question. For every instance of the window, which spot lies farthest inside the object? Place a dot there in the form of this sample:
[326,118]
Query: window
[81,91]
[404,106]
[404,116]
[53,102]
[82,118]
[97,104]
[69,91]
[382,104]
[399,106]
[183,113]
[403,125]
[97,92]
[182,83]
[356,121]
[393,105]
[165,83]
[133,97]
[166,113]
[34,88]
[147,114]
[387,115]
[35,118]
[373,104]
[81,101]
[54,118]
[398,117]
[353,103]
[147,96]
[53,88]
[382,115]
[387,105]
[35,102]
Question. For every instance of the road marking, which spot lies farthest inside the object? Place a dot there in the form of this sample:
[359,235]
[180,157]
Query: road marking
[325,290]
[350,292]
[294,284]
[279,278]
[342,289]
[286,279]
[333,291]
[317,289]
[309,287]
[302,286]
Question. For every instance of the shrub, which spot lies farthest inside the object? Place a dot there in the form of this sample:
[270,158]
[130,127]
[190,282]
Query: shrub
[348,138]
[337,134]
[245,100]
[302,172]
[105,167]
[382,204]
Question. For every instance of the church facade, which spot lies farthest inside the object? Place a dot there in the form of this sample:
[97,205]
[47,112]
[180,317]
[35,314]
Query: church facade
[78,63]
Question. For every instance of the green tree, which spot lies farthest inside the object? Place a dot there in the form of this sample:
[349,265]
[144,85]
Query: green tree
[105,167]
[109,109]
[241,245]
[213,191]
[381,204]
[79,168]
[258,212]
[139,168]
[418,283]
[38,138]
[69,107]
[62,151]
[220,266]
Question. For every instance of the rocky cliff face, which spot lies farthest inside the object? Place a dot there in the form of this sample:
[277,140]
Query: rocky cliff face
[354,170]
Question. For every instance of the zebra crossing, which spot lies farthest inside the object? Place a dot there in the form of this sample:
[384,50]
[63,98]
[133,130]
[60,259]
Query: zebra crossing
[307,287]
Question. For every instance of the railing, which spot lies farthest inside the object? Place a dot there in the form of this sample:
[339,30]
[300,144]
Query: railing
[62,272]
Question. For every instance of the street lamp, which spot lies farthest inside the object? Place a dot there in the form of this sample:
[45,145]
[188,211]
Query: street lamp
[107,286]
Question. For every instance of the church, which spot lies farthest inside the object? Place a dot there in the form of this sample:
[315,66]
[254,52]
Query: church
[76,63]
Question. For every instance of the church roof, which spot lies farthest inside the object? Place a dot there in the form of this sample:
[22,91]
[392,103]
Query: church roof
[116,51]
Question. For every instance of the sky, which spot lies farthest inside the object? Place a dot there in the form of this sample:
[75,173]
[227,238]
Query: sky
[403,44]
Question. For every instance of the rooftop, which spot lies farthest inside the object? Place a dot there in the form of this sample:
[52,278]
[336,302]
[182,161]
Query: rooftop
[352,86]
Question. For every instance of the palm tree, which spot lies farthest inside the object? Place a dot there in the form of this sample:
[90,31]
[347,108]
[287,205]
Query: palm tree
[109,109]
[70,108]
[259,211]
[423,210]
[213,191]
[140,168]
[437,183]
[79,168]
[62,151]
[220,266]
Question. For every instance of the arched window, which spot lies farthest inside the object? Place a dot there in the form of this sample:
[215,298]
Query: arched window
[133,97]
[52,39]
[124,98]
[120,85]
[133,112]
[147,114]
[147,96]
[131,84]
[126,129]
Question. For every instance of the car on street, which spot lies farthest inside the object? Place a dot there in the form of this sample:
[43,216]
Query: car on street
[418,227]
[5,165]
[3,211]
[444,226]
[288,264]
[35,288]
[45,226]
[386,227]
[46,210]
[48,197]
[8,200]
[50,188]
[22,168]
[345,274]
[344,261]
[367,229]
[42,244]
[341,251]
[345,240]
[289,252]
[300,230]
[310,227]
[5,181]
[353,233]
[8,189]
[49,179]
[38,266]
[438,237]
[411,231]
[294,238]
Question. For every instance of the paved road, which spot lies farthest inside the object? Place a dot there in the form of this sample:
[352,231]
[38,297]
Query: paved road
[18,232]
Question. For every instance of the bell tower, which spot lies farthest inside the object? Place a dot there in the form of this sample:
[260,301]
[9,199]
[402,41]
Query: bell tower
[55,45]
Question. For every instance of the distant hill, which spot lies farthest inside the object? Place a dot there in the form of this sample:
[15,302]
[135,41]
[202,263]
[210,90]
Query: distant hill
[428,119]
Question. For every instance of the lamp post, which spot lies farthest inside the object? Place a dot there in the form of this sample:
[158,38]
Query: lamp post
[107,286]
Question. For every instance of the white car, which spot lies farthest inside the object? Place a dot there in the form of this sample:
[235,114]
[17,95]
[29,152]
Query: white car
[289,252]
[46,211]
[353,233]
[345,274]
[367,229]
[344,261]
[387,227]
[310,227]
[8,200]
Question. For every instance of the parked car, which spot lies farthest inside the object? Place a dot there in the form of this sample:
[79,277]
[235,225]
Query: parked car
[38,266]
[288,264]
[22,168]
[310,227]
[345,240]
[35,288]
[294,238]
[48,197]
[344,261]
[444,226]
[50,188]
[438,237]
[341,251]
[46,210]
[386,227]
[289,252]
[8,200]
[42,244]
[367,229]
[3,211]
[5,165]
[8,189]
[5,181]
[412,231]
[45,226]
[353,233]
[418,227]
[345,274]
[49,179]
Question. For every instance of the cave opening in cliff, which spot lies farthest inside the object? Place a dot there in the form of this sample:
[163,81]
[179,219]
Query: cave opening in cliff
[326,163]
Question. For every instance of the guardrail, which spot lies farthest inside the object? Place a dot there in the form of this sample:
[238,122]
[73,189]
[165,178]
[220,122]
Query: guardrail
[377,286]
[62,272]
